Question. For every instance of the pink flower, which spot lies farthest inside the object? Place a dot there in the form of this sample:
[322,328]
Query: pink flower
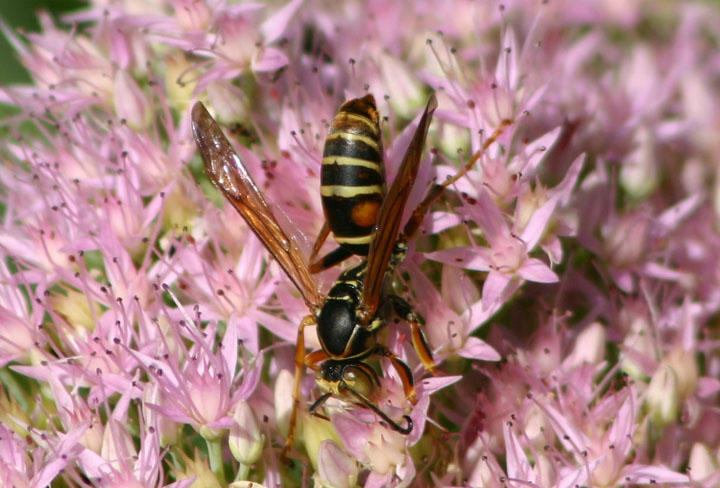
[568,282]
[197,384]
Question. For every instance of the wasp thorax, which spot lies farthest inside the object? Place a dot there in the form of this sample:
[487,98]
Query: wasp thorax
[339,332]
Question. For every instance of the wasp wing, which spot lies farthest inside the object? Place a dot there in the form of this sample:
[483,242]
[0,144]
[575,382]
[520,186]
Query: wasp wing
[228,173]
[391,212]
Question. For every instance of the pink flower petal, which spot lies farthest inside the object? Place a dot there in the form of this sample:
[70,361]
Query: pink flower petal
[353,434]
[475,348]
[436,383]
[269,59]
[535,227]
[275,26]
[639,474]
[518,465]
[536,270]
[493,287]
[462,257]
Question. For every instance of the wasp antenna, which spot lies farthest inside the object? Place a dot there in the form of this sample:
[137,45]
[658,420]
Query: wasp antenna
[393,425]
[318,403]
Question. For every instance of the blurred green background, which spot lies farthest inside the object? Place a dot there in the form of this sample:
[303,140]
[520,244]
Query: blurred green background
[22,14]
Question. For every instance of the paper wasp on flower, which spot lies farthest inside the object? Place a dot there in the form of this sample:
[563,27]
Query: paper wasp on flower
[365,221]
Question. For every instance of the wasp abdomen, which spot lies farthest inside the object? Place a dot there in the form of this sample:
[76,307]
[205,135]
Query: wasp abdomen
[353,175]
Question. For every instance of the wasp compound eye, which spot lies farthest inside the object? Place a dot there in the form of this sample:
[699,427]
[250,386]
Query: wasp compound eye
[358,379]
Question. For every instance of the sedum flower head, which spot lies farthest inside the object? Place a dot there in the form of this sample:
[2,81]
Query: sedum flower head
[568,284]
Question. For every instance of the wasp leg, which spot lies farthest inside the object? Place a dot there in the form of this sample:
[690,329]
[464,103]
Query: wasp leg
[315,357]
[301,361]
[422,349]
[330,259]
[322,236]
[403,371]
[416,218]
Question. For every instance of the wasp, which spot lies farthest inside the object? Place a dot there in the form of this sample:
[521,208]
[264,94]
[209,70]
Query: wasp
[357,306]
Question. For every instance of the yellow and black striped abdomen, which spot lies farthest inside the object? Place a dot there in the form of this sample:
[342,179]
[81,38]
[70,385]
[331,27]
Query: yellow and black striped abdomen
[353,176]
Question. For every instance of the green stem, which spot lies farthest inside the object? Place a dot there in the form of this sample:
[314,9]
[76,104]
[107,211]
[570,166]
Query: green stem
[243,472]
[214,447]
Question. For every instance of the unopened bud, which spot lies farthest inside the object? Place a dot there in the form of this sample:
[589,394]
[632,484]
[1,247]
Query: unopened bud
[662,396]
[335,468]
[246,441]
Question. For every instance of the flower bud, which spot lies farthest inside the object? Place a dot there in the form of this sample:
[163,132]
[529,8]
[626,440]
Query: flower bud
[702,463]
[246,441]
[662,396]
[284,385]
[315,431]
[589,346]
[685,367]
[335,468]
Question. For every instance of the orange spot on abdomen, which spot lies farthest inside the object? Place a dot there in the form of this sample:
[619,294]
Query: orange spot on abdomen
[364,214]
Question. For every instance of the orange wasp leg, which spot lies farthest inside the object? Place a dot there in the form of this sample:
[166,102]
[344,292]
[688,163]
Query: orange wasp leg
[315,357]
[321,238]
[422,349]
[436,190]
[301,361]
[402,308]
[336,256]
[403,371]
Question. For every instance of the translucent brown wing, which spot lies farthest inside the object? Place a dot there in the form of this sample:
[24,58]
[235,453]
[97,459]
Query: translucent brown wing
[228,173]
[388,223]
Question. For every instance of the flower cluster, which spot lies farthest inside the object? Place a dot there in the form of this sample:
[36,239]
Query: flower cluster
[569,283]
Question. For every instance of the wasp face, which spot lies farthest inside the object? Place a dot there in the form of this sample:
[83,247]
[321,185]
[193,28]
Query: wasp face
[356,381]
